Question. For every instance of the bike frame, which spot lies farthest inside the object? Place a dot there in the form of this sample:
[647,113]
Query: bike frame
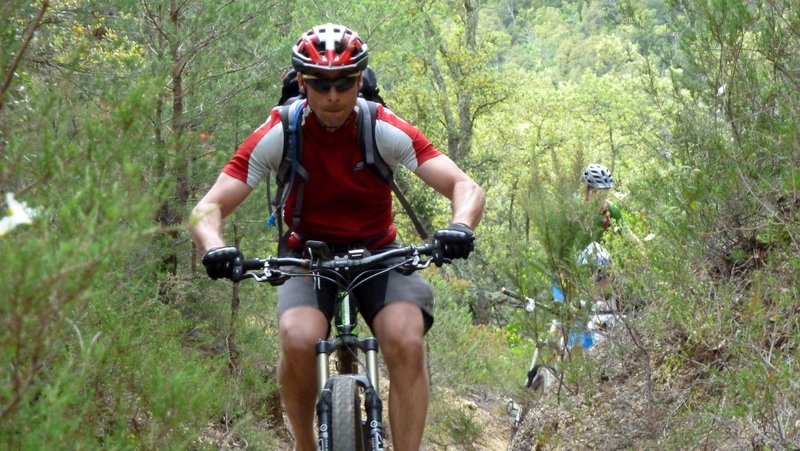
[533,306]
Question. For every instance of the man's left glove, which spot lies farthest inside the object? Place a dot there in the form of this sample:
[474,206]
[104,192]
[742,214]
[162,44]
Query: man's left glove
[457,241]
[224,262]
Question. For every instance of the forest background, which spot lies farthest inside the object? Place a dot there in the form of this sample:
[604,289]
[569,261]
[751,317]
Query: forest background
[116,115]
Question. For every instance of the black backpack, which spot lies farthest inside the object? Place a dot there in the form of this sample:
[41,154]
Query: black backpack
[290,168]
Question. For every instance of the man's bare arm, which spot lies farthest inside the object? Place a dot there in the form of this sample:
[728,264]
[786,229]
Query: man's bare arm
[206,219]
[468,199]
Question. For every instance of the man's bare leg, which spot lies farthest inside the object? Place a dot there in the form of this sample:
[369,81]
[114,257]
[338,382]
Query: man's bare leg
[300,328]
[400,330]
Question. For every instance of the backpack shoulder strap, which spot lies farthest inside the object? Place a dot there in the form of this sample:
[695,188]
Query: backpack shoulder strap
[368,112]
[290,167]
[291,120]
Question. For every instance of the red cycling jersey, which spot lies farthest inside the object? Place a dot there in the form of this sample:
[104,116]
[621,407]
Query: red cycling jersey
[343,200]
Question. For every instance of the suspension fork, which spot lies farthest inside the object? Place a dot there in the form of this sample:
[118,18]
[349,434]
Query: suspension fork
[344,340]
[344,343]
[324,416]
[368,345]
[373,406]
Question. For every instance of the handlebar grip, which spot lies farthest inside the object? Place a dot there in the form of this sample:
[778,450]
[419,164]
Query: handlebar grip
[253,264]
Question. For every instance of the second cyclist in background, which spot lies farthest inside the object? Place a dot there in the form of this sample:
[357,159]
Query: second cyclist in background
[598,183]
[602,218]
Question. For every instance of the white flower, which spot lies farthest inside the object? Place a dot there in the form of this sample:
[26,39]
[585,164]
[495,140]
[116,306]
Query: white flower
[18,213]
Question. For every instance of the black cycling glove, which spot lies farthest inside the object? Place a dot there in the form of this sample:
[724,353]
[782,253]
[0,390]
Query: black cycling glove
[224,262]
[456,241]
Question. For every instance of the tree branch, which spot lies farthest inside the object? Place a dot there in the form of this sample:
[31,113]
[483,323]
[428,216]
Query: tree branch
[27,37]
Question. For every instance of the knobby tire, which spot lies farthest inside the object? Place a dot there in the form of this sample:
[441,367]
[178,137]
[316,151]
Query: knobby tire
[346,431]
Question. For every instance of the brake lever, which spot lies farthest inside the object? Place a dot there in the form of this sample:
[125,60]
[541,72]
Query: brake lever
[272,277]
[247,275]
[414,264]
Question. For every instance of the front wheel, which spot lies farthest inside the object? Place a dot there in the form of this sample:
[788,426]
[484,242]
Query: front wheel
[346,431]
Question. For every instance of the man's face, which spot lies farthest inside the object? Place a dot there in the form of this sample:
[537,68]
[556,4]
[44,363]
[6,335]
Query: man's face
[331,96]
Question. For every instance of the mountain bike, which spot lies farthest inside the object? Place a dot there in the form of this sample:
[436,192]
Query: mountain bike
[341,423]
[541,370]
[545,370]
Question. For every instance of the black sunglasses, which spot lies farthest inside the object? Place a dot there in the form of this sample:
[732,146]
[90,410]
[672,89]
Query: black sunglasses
[341,84]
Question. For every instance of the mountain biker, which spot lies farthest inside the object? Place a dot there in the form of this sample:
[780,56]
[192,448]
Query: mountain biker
[593,255]
[599,182]
[346,206]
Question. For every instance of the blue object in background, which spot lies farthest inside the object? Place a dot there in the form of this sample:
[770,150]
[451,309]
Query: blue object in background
[558,294]
[584,338]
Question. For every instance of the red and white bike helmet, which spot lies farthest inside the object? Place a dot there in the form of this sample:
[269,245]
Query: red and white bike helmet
[329,47]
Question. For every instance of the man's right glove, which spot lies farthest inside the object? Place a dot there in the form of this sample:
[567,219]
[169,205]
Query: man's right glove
[456,241]
[224,262]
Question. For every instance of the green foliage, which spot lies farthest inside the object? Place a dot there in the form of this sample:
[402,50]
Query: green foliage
[693,105]
[125,386]
[453,338]
[454,424]
[80,168]
[90,355]
[718,272]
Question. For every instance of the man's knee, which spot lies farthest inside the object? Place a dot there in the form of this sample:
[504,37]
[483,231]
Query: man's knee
[300,329]
[395,342]
[400,318]
[400,330]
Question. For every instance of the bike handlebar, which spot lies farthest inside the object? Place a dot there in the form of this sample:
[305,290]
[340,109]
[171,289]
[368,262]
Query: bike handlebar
[353,260]
[512,294]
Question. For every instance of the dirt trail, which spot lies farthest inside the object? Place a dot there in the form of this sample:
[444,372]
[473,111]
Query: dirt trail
[489,414]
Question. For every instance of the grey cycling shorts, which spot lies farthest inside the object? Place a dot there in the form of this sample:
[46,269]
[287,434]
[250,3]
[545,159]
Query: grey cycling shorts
[372,296]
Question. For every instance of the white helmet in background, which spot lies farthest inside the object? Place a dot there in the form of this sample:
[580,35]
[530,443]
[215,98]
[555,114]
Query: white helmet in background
[598,177]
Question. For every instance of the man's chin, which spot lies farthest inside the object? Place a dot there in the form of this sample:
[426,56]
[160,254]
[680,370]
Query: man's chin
[331,120]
